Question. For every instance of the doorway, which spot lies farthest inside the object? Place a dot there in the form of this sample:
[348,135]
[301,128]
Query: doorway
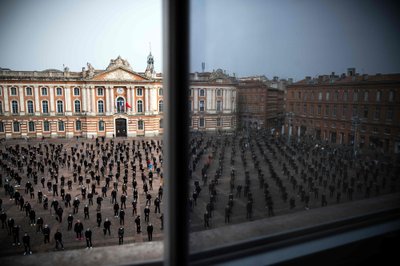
[120,126]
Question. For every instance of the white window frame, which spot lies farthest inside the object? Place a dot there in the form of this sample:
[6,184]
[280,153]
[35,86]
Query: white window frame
[77,111]
[47,107]
[139,89]
[59,89]
[102,106]
[28,89]
[44,89]
[77,89]
[15,90]
[27,107]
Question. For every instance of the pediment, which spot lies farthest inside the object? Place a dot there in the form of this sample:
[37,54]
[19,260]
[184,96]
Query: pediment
[118,74]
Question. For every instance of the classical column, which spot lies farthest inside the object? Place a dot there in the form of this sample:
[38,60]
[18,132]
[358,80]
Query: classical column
[112,100]
[21,99]
[67,93]
[128,99]
[93,99]
[153,99]
[133,99]
[107,92]
[89,100]
[6,103]
[37,102]
[84,100]
[147,100]
[52,104]
[209,96]
[195,100]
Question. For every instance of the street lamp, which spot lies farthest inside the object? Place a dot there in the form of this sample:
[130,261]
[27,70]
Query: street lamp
[355,122]
[289,117]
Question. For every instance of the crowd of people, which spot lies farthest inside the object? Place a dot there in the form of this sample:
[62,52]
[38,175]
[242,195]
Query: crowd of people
[83,188]
[254,172]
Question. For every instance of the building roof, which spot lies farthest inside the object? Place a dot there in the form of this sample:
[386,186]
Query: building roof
[349,79]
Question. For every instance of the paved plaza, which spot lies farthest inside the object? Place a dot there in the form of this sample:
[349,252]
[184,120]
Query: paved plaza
[307,174]
[145,150]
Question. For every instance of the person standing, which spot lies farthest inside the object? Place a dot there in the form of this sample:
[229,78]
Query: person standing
[137,222]
[70,219]
[78,228]
[146,213]
[39,224]
[59,213]
[121,217]
[150,231]
[107,227]
[121,235]
[15,233]
[86,211]
[88,236]
[98,218]
[46,233]
[26,240]
[58,239]
[157,205]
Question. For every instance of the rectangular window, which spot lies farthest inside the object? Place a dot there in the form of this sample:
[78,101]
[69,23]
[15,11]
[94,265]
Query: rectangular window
[160,92]
[327,110]
[100,91]
[201,106]
[44,91]
[61,126]
[1,127]
[219,123]
[345,96]
[101,125]
[365,96]
[13,91]
[59,91]
[378,96]
[389,114]
[78,125]
[334,110]
[320,96]
[365,114]
[16,126]
[31,126]
[46,126]
[355,96]
[319,110]
[30,107]
[45,107]
[201,122]
[219,106]
[139,92]
[327,96]
[391,96]
[377,114]
[28,91]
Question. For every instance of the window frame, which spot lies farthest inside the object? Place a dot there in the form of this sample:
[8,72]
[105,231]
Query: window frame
[77,89]
[78,122]
[59,89]
[47,106]
[79,109]
[100,106]
[46,126]
[139,107]
[29,126]
[44,89]
[60,124]
[28,107]
[28,89]
[14,107]
[14,125]
[58,102]
[13,91]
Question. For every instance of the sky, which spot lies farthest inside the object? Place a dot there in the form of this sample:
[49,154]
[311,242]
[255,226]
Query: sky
[295,38]
[285,38]
[43,34]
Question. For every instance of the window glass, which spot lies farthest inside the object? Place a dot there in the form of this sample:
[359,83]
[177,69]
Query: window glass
[100,106]
[44,91]
[14,106]
[76,91]
[16,126]
[61,126]
[1,127]
[78,125]
[28,91]
[31,126]
[13,91]
[45,107]
[59,91]
[77,106]
[46,126]
[139,106]
[30,107]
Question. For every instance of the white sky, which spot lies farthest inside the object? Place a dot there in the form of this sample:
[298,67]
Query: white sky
[42,34]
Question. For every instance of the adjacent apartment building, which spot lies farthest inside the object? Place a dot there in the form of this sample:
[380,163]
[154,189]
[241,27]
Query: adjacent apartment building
[346,108]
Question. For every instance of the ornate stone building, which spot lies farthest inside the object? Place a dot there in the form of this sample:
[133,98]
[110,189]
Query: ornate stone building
[212,101]
[347,108]
[52,103]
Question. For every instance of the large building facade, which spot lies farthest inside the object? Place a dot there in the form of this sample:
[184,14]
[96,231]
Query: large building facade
[345,109]
[116,101]
[260,105]
[212,101]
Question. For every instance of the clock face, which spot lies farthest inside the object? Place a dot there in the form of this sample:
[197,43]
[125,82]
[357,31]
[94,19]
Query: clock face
[120,90]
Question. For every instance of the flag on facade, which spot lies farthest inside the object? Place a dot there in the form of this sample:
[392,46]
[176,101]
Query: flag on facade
[127,105]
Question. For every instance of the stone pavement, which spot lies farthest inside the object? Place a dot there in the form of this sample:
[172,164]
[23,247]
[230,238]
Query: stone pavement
[98,239]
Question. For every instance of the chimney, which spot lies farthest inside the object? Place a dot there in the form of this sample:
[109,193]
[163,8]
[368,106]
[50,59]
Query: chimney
[351,71]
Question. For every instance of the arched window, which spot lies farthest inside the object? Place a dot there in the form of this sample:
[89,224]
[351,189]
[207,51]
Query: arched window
[100,107]
[120,105]
[16,126]
[60,107]
[59,91]
[28,91]
[76,91]
[77,105]
[139,106]
[31,126]
[61,126]
[30,107]
[45,107]
[140,125]
[44,91]
[78,125]
[161,106]
[14,105]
